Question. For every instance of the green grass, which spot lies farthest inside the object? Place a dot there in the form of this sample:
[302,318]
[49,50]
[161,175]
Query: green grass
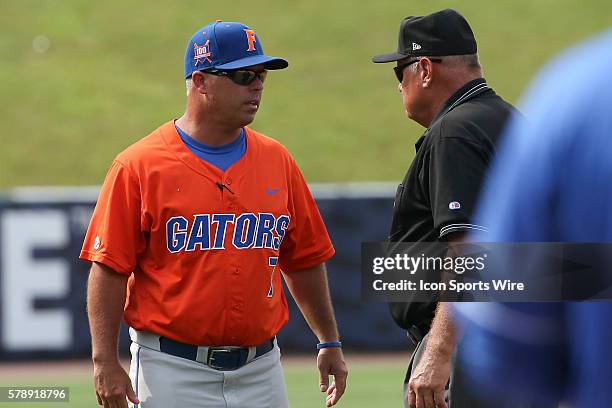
[113,73]
[370,384]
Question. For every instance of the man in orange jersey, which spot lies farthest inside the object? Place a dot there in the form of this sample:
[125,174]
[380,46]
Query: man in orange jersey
[192,229]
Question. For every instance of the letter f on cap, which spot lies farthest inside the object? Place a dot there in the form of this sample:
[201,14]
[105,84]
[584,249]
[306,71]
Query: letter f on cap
[251,39]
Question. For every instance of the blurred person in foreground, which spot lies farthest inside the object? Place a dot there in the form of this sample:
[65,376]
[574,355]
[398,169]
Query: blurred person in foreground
[552,182]
[443,89]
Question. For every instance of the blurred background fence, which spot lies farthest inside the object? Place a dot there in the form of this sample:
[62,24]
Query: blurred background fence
[43,284]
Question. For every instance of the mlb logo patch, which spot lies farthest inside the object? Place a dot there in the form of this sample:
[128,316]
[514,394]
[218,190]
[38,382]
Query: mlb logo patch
[454,205]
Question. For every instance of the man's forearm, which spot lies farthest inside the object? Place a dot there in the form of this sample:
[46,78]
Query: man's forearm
[310,290]
[106,291]
[443,334]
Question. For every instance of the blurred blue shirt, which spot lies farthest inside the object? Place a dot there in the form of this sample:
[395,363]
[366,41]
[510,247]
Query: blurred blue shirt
[551,181]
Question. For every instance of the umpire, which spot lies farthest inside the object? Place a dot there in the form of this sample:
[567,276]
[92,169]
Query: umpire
[443,89]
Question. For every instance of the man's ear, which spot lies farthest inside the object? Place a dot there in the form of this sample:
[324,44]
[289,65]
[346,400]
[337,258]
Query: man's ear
[426,72]
[200,82]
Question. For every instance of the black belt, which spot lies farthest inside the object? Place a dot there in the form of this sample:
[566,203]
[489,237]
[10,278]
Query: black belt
[219,358]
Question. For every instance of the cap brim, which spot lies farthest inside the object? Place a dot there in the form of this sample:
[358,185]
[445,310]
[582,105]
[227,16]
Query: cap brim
[269,62]
[394,56]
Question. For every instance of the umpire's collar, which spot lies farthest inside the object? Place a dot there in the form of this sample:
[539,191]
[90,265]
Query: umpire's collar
[466,92]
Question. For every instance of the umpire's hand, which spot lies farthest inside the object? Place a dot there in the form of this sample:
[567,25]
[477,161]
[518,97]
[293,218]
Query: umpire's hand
[113,385]
[330,361]
[428,381]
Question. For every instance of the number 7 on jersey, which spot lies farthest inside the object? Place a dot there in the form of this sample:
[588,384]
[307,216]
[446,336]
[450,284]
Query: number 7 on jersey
[272,261]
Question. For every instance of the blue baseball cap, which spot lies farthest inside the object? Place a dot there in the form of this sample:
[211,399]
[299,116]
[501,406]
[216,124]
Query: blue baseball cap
[226,46]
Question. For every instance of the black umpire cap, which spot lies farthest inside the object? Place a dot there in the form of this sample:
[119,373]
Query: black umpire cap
[444,32]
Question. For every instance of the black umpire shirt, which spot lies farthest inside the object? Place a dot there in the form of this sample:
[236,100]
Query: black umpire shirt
[440,190]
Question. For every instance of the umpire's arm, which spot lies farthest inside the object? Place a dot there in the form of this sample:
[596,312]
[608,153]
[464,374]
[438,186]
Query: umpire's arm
[106,291]
[432,372]
[310,290]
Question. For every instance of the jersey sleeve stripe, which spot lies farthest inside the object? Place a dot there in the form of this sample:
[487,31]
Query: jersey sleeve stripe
[461,227]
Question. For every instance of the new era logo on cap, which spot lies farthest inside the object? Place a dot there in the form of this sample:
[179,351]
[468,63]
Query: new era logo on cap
[415,46]
[227,46]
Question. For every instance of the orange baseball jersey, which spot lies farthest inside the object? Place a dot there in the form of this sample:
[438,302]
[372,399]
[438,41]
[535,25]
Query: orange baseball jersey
[203,248]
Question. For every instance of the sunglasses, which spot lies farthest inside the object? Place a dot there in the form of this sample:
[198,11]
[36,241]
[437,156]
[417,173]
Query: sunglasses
[240,77]
[399,70]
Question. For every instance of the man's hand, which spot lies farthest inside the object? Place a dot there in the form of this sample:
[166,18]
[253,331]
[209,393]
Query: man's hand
[113,385]
[429,379]
[311,293]
[330,361]
[105,299]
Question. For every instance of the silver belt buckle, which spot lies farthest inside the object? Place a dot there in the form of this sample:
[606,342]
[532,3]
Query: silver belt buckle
[210,361]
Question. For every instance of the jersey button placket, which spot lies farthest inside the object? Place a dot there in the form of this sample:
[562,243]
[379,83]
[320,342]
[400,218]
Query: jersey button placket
[229,199]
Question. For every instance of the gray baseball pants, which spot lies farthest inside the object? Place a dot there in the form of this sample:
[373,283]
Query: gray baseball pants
[165,381]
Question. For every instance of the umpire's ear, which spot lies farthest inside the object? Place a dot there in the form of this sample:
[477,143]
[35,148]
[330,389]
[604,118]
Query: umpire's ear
[200,82]
[426,71]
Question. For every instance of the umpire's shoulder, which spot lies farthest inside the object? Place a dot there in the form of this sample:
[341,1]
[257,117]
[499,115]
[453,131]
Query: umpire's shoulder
[479,119]
[475,124]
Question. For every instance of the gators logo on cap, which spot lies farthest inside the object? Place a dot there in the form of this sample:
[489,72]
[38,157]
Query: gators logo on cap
[201,52]
[251,39]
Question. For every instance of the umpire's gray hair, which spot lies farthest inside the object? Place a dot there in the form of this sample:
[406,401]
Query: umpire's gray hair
[470,61]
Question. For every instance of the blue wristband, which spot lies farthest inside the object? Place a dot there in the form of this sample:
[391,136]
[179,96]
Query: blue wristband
[328,344]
